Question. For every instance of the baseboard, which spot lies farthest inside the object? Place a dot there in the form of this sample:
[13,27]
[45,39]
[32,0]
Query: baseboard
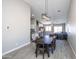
[72,49]
[15,49]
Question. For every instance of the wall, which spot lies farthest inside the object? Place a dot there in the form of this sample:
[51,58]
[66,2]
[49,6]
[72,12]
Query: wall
[59,21]
[15,24]
[71,26]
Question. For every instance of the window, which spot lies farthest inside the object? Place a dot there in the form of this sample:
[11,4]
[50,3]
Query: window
[57,29]
[48,28]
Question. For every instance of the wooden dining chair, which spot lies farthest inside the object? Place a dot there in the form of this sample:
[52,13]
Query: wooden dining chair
[41,47]
[53,43]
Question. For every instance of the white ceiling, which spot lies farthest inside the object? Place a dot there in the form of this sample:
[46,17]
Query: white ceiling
[38,7]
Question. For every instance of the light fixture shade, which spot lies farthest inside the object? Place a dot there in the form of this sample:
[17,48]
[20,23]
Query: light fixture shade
[44,16]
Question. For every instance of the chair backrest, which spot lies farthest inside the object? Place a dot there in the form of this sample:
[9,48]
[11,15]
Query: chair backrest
[38,40]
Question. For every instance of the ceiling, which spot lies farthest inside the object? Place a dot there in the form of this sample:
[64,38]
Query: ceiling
[57,9]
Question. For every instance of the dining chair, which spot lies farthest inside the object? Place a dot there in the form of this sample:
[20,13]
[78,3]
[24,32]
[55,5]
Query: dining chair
[41,47]
[53,44]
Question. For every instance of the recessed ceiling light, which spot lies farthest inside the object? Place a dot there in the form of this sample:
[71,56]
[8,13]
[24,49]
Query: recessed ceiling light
[58,10]
[33,15]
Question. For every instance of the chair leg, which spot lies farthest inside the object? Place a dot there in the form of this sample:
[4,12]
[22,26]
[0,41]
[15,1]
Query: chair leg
[48,51]
[52,50]
[48,54]
[36,51]
[43,54]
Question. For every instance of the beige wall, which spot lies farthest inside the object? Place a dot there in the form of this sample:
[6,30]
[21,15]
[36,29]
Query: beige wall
[15,24]
[71,26]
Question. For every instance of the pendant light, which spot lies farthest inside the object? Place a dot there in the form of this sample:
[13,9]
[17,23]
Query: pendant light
[45,14]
